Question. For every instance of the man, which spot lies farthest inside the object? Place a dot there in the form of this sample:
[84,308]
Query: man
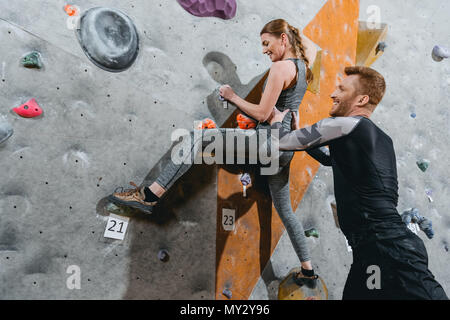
[365,185]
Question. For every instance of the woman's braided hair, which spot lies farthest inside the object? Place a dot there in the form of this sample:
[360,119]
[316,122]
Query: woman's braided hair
[280,26]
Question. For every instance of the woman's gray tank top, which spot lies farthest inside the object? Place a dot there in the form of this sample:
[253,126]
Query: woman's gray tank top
[292,97]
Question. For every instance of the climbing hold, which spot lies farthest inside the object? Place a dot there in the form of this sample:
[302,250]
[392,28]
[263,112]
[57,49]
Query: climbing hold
[108,38]
[413,115]
[245,180]
[71,10]
[207,124]
[224,9]
[163,255]
[32,60]
[423,164]
[370,43]
[245,122]
[426,226]
[227,293]
[6,130]
[412,216]
[429,192]
[290,290]
[312,233]
[29,109]
[440,53]
[380,47]
[224,102]
[314,85]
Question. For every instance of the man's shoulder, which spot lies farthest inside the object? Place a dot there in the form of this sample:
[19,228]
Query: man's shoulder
[344,124]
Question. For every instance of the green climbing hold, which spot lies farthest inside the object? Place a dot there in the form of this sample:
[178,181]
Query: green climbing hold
[423,165]
[120,210]
[312,233]
[32,60]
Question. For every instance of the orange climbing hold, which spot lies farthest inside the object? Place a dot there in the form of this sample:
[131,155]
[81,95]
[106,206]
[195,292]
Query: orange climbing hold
[207,124]
[245,122]
[71,10]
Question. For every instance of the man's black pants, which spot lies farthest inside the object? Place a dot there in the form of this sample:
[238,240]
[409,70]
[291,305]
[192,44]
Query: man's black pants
[403,271]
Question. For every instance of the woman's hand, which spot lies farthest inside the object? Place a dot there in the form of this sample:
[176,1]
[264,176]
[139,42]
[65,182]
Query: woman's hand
[277,116]
[226,92]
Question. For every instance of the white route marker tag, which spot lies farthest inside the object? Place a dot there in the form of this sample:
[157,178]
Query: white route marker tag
[228,219]
[116,227]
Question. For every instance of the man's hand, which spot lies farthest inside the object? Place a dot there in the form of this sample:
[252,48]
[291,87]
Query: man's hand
[277,116]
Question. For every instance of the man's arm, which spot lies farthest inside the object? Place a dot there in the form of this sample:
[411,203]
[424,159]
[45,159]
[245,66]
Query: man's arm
[319,134]
[321,154]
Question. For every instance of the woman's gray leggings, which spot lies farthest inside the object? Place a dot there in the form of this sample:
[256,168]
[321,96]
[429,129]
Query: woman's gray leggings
[278,182]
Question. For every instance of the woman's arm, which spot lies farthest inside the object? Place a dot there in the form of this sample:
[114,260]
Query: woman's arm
[275,82]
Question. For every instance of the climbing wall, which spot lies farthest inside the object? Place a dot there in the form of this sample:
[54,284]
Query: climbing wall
[99,130]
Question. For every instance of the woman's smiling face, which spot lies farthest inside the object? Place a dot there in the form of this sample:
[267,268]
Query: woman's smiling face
[272,46]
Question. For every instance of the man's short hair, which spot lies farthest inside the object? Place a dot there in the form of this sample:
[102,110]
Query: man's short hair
[371,83]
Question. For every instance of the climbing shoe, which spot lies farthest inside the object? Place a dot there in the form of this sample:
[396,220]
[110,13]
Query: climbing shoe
[301,280]
[133,198]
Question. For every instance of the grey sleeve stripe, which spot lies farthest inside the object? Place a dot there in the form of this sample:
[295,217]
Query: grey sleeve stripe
[318,134]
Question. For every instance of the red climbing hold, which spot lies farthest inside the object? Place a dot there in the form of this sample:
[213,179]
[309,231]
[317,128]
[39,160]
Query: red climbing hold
[29,109]
[71,10]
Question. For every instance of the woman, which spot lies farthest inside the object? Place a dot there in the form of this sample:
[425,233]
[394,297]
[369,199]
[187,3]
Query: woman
[284,88]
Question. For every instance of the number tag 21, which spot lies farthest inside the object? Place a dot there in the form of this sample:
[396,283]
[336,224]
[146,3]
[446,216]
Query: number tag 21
[116,227]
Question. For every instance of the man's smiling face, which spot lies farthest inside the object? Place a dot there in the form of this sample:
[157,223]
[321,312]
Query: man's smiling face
[345,96]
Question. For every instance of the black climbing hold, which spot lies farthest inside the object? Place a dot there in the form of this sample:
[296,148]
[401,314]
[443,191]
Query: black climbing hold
[109,38]
[32,60]
[381,47]
[163,255]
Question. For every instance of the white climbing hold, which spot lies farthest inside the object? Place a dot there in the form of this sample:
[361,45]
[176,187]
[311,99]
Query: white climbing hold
[440,53]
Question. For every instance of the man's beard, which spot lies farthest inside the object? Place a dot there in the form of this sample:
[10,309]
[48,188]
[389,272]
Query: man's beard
[340,110]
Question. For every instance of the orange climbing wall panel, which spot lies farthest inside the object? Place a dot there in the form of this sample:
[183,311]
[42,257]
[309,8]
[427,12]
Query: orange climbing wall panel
[242,254]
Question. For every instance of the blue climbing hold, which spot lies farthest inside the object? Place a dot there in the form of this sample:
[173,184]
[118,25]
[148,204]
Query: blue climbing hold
[413,216]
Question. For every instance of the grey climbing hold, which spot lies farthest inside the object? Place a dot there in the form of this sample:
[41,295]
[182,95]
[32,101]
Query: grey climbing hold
[32,60]
[423,164]
[108,38]
[245,180]
[6,129]
[440,53]
[412,216]
[227,293]
[381,47]
[163,255]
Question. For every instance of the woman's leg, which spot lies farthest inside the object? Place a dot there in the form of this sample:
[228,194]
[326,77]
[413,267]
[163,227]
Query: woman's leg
[173,171]
[279,190]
